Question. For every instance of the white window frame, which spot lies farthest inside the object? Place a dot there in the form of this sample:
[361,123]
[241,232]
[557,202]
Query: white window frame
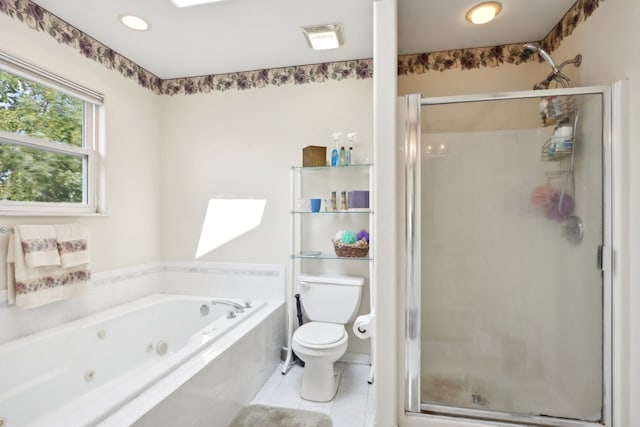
[92,150]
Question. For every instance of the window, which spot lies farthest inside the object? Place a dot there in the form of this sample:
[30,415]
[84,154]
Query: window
[49,154]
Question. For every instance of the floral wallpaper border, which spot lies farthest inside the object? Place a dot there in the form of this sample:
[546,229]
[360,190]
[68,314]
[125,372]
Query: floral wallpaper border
[299,74]
[40,19]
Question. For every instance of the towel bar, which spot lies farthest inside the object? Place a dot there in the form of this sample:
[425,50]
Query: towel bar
[5,229]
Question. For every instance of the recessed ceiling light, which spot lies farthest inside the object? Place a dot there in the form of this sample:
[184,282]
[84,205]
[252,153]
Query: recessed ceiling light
[186,3]
[134,22]
[322,37]
[483,12]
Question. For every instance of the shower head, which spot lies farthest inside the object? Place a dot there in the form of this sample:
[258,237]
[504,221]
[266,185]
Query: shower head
[532,48]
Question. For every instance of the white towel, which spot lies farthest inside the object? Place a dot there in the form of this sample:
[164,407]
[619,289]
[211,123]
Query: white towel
[32,287]
[11,271]
[39,245]
[73,244]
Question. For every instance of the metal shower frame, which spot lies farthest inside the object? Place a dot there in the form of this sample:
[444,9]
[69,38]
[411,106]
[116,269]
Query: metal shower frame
[412,286]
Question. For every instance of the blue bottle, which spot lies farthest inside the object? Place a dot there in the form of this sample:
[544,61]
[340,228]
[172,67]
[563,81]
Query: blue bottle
[334,154]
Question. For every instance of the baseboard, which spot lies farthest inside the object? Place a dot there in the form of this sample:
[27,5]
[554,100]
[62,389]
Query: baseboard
[360,358]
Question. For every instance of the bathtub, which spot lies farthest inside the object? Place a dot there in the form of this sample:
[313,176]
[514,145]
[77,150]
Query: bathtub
[112,367]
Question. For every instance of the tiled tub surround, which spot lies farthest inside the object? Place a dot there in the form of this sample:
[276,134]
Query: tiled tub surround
[252,345]
[216,391]
[116,287]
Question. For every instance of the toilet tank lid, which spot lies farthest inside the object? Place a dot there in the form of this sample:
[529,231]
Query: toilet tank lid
[334,279]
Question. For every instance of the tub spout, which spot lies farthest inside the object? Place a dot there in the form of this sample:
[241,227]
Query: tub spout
[239,308]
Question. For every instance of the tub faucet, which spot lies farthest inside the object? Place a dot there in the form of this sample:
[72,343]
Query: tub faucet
[239,308]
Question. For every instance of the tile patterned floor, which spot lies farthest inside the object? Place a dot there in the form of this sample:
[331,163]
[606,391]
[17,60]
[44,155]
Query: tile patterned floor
[353,405]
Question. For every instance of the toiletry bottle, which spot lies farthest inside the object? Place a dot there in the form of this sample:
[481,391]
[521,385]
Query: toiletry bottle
[352,139]
[343,156]
[336,142]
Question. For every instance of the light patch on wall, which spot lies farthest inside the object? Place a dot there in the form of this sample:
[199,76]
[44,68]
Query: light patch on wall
[227,219]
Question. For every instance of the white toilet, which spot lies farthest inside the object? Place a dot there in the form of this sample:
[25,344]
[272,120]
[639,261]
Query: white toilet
[330,302]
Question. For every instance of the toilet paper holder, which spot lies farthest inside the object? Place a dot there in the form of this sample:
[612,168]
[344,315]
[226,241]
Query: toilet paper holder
[364,326]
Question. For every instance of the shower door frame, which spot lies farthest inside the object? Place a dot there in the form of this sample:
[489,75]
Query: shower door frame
[412,289]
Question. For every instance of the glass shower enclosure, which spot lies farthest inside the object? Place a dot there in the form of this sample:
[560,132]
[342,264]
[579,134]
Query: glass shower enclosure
[508,229]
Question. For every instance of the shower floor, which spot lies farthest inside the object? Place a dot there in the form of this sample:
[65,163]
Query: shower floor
[475,393]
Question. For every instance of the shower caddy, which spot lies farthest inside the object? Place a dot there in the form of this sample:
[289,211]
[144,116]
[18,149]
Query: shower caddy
[563,114]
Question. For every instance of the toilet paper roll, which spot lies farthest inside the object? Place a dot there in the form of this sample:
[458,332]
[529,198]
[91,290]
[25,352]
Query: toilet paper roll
[363,326]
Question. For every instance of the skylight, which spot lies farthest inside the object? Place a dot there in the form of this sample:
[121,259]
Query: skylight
[187,3]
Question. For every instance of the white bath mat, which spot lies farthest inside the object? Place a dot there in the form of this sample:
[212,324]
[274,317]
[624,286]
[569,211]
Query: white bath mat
[271,416]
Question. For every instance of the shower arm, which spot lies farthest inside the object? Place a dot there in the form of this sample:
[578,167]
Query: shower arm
[558,76]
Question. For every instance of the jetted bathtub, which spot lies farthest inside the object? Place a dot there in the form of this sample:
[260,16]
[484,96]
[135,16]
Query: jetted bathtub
[92,371]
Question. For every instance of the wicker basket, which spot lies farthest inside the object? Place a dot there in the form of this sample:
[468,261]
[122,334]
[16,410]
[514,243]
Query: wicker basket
[354,250]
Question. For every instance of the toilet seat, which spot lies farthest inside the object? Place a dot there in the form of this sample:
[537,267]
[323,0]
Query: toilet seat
[320,335]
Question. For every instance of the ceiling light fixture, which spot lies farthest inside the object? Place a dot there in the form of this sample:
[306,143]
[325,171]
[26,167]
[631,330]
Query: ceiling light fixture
[134,22]
[483,12]
[323,37]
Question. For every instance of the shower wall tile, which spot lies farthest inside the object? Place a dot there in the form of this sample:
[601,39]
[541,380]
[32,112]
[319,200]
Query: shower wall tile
[499,271]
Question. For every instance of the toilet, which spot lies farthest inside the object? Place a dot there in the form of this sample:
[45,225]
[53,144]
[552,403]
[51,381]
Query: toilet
[330,302]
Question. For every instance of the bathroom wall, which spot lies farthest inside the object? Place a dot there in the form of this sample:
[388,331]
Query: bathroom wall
[242,144]
[506,77]
[128,234]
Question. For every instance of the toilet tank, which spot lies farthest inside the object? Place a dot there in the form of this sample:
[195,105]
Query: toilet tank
[330,298]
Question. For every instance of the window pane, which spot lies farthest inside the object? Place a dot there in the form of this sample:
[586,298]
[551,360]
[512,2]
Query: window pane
[32,175]
[37,111]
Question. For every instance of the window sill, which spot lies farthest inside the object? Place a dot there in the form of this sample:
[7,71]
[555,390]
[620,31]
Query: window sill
[57,214]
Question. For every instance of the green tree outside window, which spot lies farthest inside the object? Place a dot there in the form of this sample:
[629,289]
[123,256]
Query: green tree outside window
[31,174]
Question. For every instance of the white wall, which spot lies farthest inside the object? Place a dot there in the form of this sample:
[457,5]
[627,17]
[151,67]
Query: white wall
[385,287]
[129,233]
[506,77]
[243,144]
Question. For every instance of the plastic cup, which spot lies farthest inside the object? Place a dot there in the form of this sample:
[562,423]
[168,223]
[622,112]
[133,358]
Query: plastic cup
[315,205]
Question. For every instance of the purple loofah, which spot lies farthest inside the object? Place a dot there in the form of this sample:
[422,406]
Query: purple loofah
[363,234]
[566,209]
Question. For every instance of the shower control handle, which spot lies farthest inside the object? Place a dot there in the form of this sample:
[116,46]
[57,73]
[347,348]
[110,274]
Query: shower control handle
[604,258]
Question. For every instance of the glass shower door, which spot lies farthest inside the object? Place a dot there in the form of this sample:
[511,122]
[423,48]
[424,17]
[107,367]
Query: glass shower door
[510,227]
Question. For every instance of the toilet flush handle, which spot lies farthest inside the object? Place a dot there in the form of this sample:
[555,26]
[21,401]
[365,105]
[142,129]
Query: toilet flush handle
[305,284]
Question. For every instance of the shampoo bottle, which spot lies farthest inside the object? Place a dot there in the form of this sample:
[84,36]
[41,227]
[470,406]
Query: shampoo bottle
[343,156]
[336,142]
[352,139]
